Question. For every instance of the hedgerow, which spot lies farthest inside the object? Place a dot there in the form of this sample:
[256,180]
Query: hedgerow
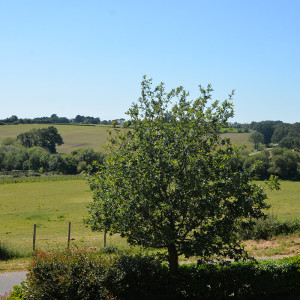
[84,275]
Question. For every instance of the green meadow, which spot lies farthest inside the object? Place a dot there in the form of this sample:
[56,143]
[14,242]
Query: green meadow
[93,136]
[285,203]
[51,205]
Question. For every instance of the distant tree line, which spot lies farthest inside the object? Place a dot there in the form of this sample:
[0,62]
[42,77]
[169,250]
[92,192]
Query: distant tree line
[54,119]
[37,159]
[278,161]
[35,150]
[276,132]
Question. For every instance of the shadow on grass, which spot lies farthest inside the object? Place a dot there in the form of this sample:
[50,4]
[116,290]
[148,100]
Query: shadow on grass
[7,253]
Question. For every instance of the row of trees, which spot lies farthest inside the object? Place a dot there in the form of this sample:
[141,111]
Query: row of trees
[54,119]
[14,157]
[276,132]
[280,162]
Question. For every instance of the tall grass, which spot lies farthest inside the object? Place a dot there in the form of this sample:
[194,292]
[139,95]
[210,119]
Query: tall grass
[7,252]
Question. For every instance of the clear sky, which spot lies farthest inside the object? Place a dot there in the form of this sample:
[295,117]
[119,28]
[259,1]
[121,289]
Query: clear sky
[88,57]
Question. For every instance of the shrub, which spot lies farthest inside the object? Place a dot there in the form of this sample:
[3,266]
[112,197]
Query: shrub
[140,277]
[81,275]
[68,275]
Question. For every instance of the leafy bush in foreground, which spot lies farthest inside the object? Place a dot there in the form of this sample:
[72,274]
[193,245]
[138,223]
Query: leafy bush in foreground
[80,275]
[68,275]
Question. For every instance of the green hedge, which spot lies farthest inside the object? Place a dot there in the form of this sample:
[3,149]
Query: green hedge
[80,275]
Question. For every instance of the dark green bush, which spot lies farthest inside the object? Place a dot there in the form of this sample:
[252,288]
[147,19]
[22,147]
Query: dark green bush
[68,275]
[141,277]
[80,275]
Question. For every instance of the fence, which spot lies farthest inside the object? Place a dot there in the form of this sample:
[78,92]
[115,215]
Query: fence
[68,240]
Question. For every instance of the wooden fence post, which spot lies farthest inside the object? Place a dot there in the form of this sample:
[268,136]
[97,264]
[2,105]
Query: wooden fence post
[69,235]
[104,238]
[34,237]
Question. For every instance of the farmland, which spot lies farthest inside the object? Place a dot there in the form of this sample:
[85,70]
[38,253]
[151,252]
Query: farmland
[73,136]
[92,136]
[51,205]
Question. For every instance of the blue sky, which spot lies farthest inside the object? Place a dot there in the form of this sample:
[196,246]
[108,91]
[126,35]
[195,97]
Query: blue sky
[88,57]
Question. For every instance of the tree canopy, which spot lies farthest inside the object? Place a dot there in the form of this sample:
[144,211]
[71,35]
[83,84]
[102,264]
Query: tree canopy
[168,181]
[257,138]
[45,137]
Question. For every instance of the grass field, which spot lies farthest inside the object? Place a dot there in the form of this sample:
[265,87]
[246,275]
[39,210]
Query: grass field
[92,136]
[285,203]
[240,139]
[51,205]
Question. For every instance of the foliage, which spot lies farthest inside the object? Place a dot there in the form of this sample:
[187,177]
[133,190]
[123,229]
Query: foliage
[285,134]
[257,138]
[68,275]
[54,119]
[168,182]
[18,292]
[266,128]
[79,275]
[46,138]
[286,166]
[38,159]
[279,162]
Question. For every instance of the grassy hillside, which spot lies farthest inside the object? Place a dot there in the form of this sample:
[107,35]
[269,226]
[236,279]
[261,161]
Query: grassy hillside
[73,136]
[240,139]
[91,136]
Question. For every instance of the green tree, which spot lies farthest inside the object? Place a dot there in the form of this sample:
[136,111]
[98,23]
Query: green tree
[47,138]
[266,128]
[286,165]
[169,184]
[38,158]
[257,138]
[281,131]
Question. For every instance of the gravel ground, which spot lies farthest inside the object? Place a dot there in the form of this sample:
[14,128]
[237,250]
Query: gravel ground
[8,280]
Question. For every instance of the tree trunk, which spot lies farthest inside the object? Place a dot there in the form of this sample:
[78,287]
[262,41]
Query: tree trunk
[173,259]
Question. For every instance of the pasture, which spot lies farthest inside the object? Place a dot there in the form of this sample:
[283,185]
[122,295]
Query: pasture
[76,136]
[73,136]
[52,204]
[285,203]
